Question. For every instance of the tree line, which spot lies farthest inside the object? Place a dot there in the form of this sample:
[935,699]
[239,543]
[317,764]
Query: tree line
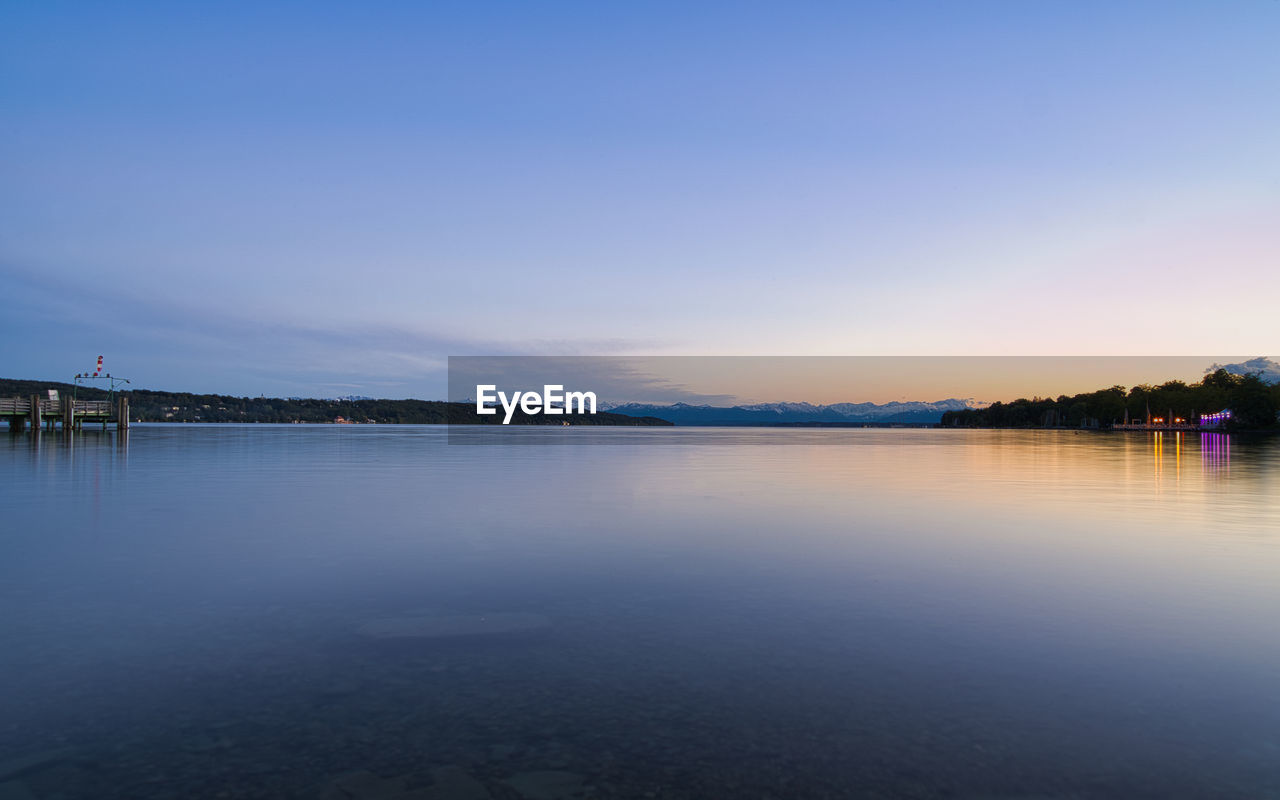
[1252,401]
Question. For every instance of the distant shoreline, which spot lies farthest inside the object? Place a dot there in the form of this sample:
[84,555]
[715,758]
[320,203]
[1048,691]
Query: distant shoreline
[148,405]
[1253,401]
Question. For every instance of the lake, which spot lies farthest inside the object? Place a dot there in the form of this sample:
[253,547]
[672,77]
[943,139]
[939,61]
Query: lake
[374,612]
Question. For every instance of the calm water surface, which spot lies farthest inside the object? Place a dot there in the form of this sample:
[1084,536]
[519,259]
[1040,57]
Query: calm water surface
[371,612]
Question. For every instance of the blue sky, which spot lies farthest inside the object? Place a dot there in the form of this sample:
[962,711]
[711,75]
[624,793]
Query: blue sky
[324,199]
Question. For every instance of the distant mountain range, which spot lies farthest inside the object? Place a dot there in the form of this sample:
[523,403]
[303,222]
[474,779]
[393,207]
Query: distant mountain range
[794,413]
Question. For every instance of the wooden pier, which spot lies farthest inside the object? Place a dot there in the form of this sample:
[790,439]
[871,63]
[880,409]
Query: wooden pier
[68,413]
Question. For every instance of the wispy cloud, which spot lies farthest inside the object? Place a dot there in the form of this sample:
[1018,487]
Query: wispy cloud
[203,349]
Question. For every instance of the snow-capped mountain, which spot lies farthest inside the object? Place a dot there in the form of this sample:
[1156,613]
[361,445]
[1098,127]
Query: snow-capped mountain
[862,409]
[787,413]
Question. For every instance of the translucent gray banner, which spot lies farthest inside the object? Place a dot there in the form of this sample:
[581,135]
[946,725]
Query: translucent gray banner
[492,396]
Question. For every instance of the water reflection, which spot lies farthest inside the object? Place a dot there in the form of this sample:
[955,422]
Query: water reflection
[1215,452]
[918,613]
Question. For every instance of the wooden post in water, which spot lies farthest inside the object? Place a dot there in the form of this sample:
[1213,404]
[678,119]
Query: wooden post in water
[35,413]
[68,414]
[122,413]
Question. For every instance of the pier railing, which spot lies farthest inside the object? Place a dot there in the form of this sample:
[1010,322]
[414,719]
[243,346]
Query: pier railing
[21,406]
[93,408]
[68,411]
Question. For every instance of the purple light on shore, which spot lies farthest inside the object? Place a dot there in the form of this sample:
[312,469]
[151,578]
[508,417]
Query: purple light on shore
[1211,420]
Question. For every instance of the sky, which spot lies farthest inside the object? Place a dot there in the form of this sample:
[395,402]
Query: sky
[322,199]
[823,380]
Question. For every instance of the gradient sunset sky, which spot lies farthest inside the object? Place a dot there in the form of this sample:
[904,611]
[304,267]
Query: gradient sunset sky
[329,199]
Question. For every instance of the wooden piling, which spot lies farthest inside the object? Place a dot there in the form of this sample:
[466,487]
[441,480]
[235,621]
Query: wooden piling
[68,414]
[122,414]
[35,413]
